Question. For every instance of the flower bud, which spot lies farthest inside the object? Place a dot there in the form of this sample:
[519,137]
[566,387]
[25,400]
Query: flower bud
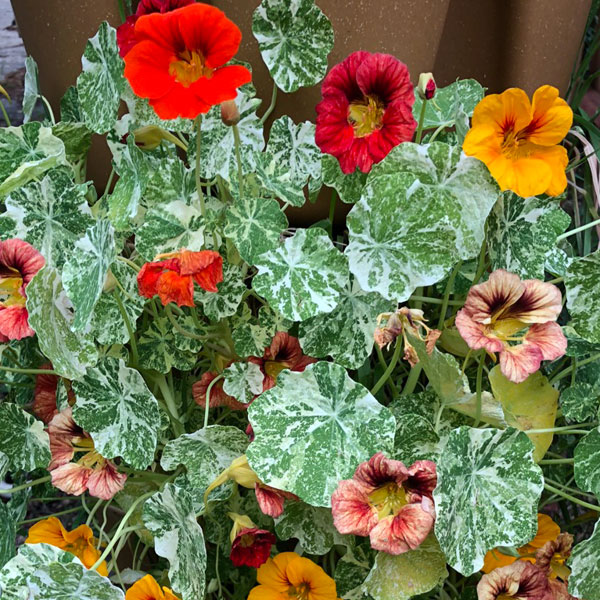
[150,137]
[230,115]
[426,86]
[110,282]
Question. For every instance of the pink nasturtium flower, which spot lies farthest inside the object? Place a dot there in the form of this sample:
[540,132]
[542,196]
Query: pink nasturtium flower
[91,472]
[388,502]
[19,262]
[517,319]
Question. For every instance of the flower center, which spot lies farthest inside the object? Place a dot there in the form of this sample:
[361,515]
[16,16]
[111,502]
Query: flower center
[505,329]
[10,294]
[514,143]
[274,367]
[77,547]
[366,115]
[189,68]
[388,499]
[246,540]
[301,592]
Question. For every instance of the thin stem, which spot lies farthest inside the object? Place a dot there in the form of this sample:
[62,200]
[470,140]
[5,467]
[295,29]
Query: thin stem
[129,263]
[48,109]
[571,232]
[332,208]
[556,461]
[481,263]
[238,158]
[172,407]
[568,370]
[128,325]
[5,114]
[29,371]
[207,398]
[429,300]
[566,488]
[56,514]
[198,148]
[93,511]
[558,492]
[478,389]
[419,133]
[271,106]
[179,328]
[384,377]
[24,486]
[447,293]
[412,379]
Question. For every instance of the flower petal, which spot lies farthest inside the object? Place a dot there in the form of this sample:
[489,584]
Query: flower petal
[552,117]
[251,547]
[341,80]
[384,76]
[21,256]
[549,338]
[222,85]
[71,478]
[146,588]
[351,510]
[510,109]
[517,363]
[14,322]
[147,69]
[173,287]
[273,572]
[270,500]
[422,478]
[206,267]
[49,531]
[521,580]
[304,571]
[474,333]
[556,159]
[104,483]
[540,302]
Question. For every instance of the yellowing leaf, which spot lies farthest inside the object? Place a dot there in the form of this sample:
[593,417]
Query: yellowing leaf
[531,404]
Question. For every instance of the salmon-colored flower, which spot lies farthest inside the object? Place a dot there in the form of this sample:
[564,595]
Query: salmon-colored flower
[292,577]
[90,472]
[518,140]
[388,502]
[19,262]
[516,319]
[366,110]
[179,60]
[520,580]
[79,542]
[250,546]
[172,279]
[147,588]
[44,395]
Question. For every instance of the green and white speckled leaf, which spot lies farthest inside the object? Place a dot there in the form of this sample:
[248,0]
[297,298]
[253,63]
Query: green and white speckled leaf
[312,526]
[115,406]
[577,346]
[8,534]
[170,517]
[76,137]
[583,296]
[449,103]
[304,276]
[101,82]
[423,209]
[487,494]
[169,227]
[108,326]
[585,567]
[206,453]
[416,439]
[30,88]
[313,429]
[51,316]
[521,232]
[224,302]
[587,463]
[346,333]
[406,575]
[294,38]
[349,187]
[85,271]
[252,335]
[158,348]
[169,180]
[254,225]
[134,173]
[243,381]
[50,214]
[26,152]
[218,143]
[23,439]
[70,109]
[580,402]
[276,180]
[4,464]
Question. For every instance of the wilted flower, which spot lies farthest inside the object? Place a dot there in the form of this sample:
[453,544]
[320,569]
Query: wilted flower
[388,502]
[517,140]
[147,588]
[19,262]
[366,110]
[293,577]
[250,546]
[179,60]
[426,87]
[551,557]
[173,279]
[521,581]
[79,542]
[498,311]
[91,472]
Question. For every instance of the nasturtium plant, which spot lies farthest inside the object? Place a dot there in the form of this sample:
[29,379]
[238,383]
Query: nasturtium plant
[581,287]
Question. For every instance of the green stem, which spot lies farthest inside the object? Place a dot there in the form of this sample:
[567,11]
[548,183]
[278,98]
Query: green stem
[170,403]
[238,158]
[179,328]
[419,133]
[556,461]
[48,109]
[481,263]
[24,486]
[271,106]
[558,492]
[197,173]
[412,379]
[128,325]
[384,377]
[429,300]
[564,428]
[568,370]
[93,511]
[478,388]
[332,209]
[29,371]
[57,514]
[447,293]
[129,263]
[577,230]
[5,114]
[568,489]
[384,365]
[207,398]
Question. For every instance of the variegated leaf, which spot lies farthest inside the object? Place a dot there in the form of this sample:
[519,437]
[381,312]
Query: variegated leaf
[243,381]
[349,187]
[225,301]
[585,567]
[587,463]
[30,88]
[583,296]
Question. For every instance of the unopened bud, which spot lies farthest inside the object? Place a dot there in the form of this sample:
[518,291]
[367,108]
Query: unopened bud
[426,86]
[150,137]
[230,115]
[110,282]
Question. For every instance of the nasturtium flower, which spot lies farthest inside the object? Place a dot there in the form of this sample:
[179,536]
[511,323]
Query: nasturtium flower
[179,60]
[44,395]
[19,262]
[292,577]
[519,581]
[518,140]
[388,502]
[172,279]
[551,557]
[79,542]
[250,546]
[90,472]
[366,110]
[147,588]
[517,319]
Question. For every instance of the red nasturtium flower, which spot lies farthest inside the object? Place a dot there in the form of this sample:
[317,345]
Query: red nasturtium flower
[250,546]
[366,110]
[179,60]
[19,262]
[173,279]
[91,472]
[388,502]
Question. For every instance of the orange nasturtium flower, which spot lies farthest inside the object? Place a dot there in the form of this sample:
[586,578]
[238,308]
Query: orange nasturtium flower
[179,60]
[147,588]
[79,542]
[294,577]
[518,140]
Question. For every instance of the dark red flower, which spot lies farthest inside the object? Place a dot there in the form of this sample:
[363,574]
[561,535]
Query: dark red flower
[218,397]
[251,547]
[366,110]
[173,279]
[44,395]
[179,57]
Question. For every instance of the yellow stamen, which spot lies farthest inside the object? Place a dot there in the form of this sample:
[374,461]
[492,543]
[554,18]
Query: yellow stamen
[273,368]
[514,144]
[388,499]
[366,115]
[301,592]
[189,68]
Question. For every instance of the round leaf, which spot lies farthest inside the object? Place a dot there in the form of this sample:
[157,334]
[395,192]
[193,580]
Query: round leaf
[583,296]
[587,463]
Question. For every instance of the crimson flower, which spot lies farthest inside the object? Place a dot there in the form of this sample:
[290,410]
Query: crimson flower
[179,60]
[388,502]
[250,546]
[19,262]
[366,110]
[173,279]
